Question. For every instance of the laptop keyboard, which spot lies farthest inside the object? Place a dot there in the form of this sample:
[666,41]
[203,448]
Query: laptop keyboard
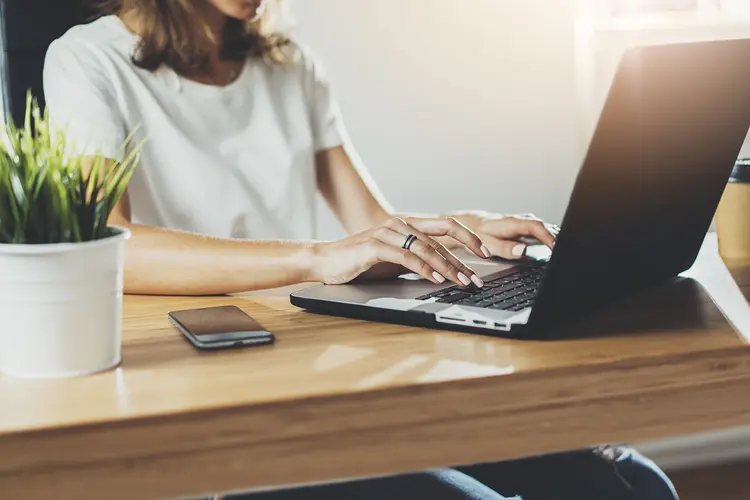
[512,292]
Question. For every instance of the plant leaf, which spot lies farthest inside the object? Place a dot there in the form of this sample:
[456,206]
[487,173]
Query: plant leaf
[49,196]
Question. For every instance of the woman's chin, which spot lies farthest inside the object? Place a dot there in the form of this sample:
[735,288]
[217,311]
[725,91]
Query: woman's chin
[248,11]
[245,14]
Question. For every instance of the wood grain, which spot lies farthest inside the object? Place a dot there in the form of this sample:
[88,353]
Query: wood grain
[337,398]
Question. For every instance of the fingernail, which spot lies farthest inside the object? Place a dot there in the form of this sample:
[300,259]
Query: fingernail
[486,251]
[463,279]
[518,250]
[438,277]
[477,281]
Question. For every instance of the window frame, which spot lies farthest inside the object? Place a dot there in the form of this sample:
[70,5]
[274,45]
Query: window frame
[613,10]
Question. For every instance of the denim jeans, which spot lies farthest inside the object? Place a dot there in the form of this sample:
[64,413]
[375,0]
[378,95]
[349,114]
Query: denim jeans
[606,474]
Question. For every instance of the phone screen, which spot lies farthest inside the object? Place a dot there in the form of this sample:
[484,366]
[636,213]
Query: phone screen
[218,324]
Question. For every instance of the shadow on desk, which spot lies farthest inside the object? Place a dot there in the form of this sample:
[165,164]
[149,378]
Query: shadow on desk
[681,305]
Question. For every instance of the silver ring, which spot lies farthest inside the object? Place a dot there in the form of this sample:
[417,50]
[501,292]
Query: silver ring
[409,241]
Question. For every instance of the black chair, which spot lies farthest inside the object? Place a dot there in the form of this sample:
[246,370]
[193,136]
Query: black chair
[28,27]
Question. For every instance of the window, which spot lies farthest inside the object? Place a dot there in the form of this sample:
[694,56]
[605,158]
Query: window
[604,29]
[631,7]
[667,10]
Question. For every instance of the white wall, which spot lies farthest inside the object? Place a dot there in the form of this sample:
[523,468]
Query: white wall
[451,104]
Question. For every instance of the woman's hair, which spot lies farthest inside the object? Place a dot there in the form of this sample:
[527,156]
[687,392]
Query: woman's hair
[172,33]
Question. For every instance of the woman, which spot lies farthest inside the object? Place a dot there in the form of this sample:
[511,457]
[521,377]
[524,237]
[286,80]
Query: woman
[242,132]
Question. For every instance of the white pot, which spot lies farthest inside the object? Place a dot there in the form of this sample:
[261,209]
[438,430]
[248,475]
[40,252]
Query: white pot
[61,307]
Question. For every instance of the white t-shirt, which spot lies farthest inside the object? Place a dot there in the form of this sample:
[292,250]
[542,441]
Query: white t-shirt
[234,161]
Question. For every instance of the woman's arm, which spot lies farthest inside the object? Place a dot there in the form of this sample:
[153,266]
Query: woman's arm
[349,191]
[356,201]
[165,262]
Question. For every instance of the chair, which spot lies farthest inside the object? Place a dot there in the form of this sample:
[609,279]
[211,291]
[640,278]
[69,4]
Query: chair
[28,27]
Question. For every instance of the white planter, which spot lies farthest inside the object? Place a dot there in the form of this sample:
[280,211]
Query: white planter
[61,307]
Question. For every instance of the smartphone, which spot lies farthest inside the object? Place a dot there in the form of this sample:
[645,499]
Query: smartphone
[220,328]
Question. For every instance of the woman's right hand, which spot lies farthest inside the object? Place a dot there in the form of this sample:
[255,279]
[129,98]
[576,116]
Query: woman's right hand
[342,261]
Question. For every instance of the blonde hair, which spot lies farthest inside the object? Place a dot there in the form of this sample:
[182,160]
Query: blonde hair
[172,33]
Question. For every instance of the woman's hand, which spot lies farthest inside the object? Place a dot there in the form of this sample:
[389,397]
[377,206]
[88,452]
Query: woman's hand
[504,235]
[342,261]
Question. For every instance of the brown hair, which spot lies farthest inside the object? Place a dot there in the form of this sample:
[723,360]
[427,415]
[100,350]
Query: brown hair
[172,33]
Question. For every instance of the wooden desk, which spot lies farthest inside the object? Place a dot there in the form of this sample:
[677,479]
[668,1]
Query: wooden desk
[338,398]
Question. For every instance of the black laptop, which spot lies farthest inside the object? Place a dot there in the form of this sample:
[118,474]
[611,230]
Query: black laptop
[670,132]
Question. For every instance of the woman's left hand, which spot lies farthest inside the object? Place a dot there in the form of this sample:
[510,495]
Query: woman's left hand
[504,235]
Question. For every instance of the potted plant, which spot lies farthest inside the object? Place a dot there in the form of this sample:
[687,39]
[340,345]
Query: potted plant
[61,264]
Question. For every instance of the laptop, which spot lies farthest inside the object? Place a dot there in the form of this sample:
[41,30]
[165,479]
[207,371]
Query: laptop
[668,137]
